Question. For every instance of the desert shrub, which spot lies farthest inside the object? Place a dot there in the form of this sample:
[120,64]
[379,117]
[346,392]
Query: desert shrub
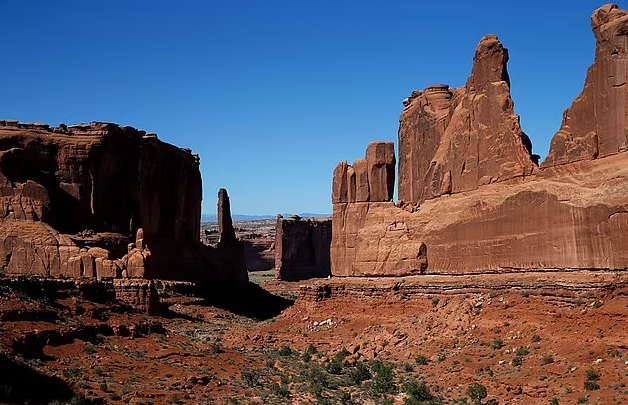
[477,392]
[498,344]
[592,375]
[285,351]
[422,360]
[280,391]
[383,381]
[419,391]
[547,359]
[317,380]
[72,373]
[89,349]
[591,386]
[250,377]
[517,361]
[334,366]
[308,353]
[535,339]
[522,351]
[554,401]
[345,398]
[360,373]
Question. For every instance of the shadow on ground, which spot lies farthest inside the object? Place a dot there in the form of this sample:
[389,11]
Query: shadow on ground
[247,299]
[20,384]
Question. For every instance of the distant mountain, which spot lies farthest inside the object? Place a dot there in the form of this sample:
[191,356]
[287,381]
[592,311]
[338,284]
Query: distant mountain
[245,217]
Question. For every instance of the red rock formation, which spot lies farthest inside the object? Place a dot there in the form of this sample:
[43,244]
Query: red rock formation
[370,179]
[140,294]
[302,248]
[226,233]
[474,200]
[455,140]
[596,125]
[113,182]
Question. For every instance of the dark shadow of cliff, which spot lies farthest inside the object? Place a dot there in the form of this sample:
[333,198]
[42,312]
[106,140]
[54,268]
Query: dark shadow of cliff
[247,299]
[20,384]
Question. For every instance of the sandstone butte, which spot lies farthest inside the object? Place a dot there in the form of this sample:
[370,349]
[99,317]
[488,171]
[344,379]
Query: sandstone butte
[103,201]
[472,198]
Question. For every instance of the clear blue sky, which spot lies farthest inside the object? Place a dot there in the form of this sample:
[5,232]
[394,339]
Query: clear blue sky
[273,94]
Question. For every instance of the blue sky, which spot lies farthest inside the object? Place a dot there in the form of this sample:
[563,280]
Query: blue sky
[273,94]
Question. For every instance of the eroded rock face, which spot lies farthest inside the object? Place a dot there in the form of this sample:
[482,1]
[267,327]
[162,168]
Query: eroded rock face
[472,199]
[99,176]
[370,179]
[72,197]
[455,140]
[596,124]
[302,248]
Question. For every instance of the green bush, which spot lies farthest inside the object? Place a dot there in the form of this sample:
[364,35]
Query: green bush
[360,373]
[547,359]
[280,391]
[285,351]
[419,391]
[251,378]
[591,386]
[89,349]
[422,360]
[592,375]
[522,351]
[383,380]
[498,344]
[517,361]
[477,392]
[317,380]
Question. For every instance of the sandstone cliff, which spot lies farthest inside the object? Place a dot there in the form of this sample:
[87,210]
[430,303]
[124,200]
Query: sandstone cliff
[595,125]
[73,198]
[302,248]
[472,199]
[455,140]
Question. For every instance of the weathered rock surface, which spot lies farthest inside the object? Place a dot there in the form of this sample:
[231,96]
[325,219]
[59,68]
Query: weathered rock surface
[455,140]
[596,124]
[302,248]
[71,198]
[472,199]
[370,179]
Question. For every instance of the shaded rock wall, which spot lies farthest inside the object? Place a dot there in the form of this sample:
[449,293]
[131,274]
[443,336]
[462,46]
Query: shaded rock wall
[472,199]
[302,248]
[118,186]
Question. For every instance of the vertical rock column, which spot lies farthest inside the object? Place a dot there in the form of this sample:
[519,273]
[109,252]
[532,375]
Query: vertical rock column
[354,190]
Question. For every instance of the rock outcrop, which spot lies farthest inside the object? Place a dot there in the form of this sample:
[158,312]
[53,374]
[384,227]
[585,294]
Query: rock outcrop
[455,140]
[472,199]
[370,179]
[302,248]
[102,201]
[596,125]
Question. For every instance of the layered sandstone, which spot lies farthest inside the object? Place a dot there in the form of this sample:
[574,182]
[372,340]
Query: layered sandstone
[302,248]
[472,199]
[73,198]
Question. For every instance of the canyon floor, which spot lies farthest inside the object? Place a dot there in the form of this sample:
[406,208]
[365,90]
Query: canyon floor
[542,338]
